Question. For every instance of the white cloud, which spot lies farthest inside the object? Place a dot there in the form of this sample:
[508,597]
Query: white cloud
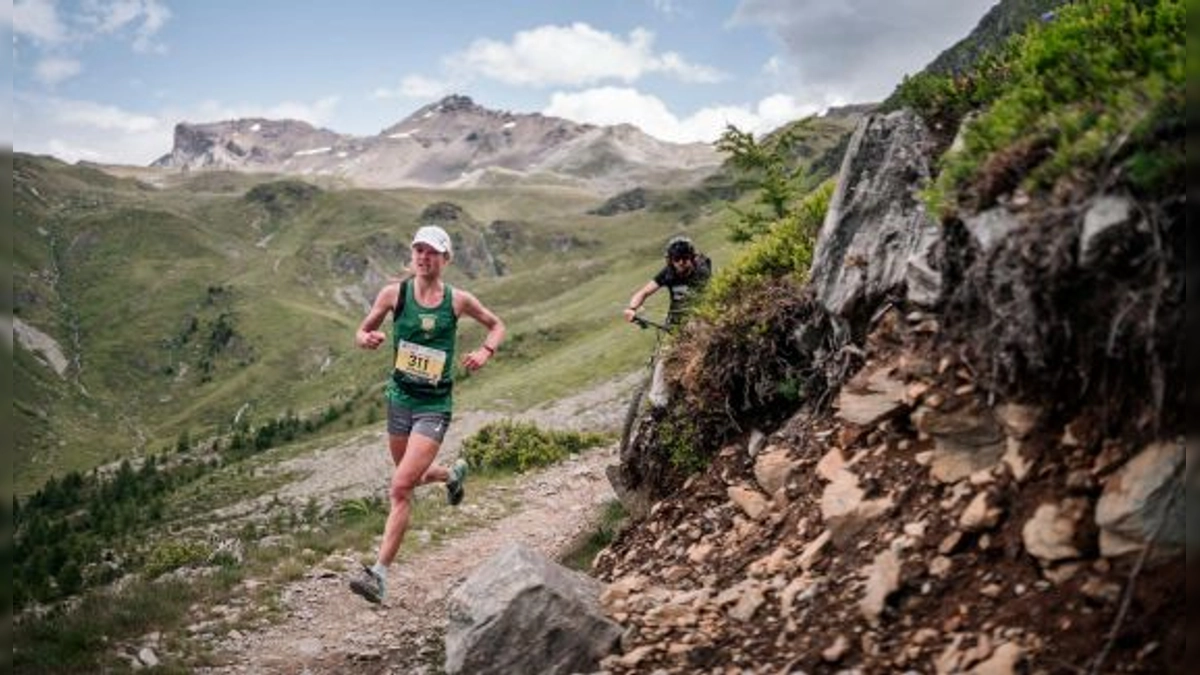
[87,114]
[575,55]
[38,19]
[53,70]
[137,20]
[112,16]
[618,105]
[415,86]
[157,16]
[75,130]
[858,49]
[145,17]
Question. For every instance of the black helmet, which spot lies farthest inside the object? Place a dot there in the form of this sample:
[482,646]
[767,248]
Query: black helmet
[680,247]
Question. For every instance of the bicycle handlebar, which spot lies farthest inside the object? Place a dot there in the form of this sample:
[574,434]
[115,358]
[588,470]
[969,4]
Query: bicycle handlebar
[645,323]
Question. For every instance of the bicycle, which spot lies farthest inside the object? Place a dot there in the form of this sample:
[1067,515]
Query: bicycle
[634,497]
[639,391]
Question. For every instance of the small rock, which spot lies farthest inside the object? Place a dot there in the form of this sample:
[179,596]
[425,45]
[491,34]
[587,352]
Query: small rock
[747,605]
[700,552]
[1003,661]
[950,543]
[772,469]
[636,656]
[978,516]
[147,656]
[809,556]
[1061,573]
[834,652]
[831,464]
[870,397]
[940,566]
[845,511]
[751,502]
[883,578]
[1101,590]
[924,636]
[788,595]
[1049,535]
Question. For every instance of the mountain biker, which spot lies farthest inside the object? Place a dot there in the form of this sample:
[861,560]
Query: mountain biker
[425,312]
[685,273]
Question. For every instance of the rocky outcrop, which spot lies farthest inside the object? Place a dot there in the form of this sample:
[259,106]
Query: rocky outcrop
[877,238]
[520,613]
[251,143]
[920,528]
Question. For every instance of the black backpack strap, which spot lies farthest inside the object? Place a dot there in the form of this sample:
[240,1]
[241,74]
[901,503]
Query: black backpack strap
[400,299]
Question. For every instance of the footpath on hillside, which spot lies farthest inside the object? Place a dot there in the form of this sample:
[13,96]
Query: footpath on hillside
[327,629]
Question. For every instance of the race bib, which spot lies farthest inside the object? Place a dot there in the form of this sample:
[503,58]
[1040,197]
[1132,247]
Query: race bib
[420,362]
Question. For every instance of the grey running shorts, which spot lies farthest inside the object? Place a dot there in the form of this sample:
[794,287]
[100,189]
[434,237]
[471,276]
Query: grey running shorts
[403,422]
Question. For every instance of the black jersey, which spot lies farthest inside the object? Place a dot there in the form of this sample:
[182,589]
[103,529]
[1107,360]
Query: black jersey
[683,289]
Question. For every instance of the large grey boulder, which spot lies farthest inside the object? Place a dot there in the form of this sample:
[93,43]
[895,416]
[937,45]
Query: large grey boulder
[877,237]
[521,613]
[1144,502]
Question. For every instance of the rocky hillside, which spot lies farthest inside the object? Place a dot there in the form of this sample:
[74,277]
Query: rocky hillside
[962,449]
[453,142]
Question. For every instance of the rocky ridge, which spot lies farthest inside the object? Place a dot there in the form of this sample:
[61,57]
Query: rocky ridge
[451,143]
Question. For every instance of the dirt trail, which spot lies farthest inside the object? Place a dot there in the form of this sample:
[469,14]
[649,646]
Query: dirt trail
[327,629]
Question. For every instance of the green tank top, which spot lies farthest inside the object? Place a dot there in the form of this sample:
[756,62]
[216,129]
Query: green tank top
[423,341]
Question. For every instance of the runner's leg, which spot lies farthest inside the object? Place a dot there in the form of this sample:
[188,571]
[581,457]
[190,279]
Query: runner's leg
[415,460]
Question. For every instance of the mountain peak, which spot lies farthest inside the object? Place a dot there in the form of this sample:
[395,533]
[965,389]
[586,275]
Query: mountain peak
[457,102]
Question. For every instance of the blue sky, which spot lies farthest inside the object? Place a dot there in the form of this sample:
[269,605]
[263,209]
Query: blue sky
[107,80]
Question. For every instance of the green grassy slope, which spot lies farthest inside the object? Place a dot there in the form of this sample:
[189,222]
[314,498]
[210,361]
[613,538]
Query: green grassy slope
[186,304]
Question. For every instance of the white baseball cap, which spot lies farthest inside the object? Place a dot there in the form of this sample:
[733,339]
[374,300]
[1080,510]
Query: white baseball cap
[433,236]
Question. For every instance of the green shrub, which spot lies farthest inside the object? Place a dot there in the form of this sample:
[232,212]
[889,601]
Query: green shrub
[943,100]
[517,446]
[1100,86]
[171,554]
[362,508]
[774,170]
[784,250]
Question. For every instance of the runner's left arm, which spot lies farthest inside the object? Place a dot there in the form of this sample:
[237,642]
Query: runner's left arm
[470,306]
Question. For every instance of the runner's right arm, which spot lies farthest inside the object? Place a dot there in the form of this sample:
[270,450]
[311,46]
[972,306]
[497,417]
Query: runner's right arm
[368,335]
